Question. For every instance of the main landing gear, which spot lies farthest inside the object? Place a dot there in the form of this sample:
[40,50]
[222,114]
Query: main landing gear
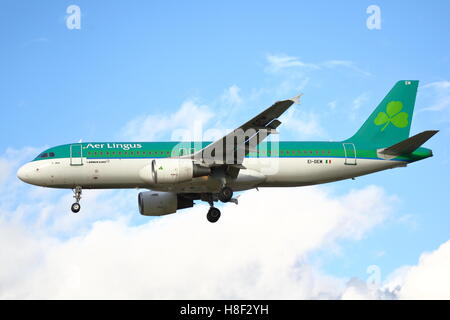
[213,214]
[77,195]
[224,195]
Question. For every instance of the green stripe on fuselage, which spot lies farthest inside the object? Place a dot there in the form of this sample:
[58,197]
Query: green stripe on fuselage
[286,149]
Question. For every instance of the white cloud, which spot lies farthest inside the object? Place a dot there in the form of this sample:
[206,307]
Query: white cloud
[332,104]
[4,170]
[438,85]
[259,249]
[440,99]
[187,123]
[359,101]
[303,124]
[429,279]
[279,62]
[356,289]
[346,64]
[293,74]
[292,84]
[231,96]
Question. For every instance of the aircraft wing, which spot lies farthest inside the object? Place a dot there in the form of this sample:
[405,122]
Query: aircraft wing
[232,148]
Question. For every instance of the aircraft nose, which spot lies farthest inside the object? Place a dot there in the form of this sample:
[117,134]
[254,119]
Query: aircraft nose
[24,173]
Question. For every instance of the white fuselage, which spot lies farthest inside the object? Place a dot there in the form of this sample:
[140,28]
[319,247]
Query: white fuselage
[258,172]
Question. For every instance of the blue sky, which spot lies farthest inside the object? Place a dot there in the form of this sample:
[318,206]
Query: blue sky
[132,59]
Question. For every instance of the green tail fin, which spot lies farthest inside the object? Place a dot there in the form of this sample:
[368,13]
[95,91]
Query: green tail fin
[391,121]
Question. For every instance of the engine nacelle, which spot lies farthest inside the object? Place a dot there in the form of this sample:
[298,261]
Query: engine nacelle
[154,203]
[172,170]
[167,171]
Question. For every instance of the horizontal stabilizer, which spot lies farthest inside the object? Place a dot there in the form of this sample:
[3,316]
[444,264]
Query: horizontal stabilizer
[410,144]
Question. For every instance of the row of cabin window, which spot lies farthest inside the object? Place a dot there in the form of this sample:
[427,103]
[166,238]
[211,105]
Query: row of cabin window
[282,152]
[306,151]
[126,153]
[47,155]
[168,153]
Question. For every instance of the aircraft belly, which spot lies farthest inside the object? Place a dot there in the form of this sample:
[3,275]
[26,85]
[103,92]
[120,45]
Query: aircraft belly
[308,171]
[259,172]
[102,173]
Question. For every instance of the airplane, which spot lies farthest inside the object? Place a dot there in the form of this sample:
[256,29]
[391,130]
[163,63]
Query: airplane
[178,173]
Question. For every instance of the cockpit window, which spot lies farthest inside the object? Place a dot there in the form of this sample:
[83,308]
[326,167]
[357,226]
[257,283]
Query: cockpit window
[51,154]
[43,155]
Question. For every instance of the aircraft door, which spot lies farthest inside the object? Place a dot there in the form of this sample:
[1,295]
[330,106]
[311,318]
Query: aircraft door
[350,153]
[76,155]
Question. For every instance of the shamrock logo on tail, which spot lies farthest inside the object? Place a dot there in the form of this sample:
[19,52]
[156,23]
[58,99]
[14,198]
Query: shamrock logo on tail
[392,115]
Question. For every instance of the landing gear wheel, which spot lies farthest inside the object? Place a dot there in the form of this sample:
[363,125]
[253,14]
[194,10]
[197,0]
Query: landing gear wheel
[225,194]
[75,207]
[77,195]
[213,215]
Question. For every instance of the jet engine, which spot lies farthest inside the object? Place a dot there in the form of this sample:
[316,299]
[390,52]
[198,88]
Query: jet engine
[154,203]
[165,171]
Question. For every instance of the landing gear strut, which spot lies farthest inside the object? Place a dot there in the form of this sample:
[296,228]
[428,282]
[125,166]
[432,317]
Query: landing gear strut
[77,195]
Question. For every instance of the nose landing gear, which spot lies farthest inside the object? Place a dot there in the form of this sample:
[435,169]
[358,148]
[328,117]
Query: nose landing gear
[75,207]
[77,195]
